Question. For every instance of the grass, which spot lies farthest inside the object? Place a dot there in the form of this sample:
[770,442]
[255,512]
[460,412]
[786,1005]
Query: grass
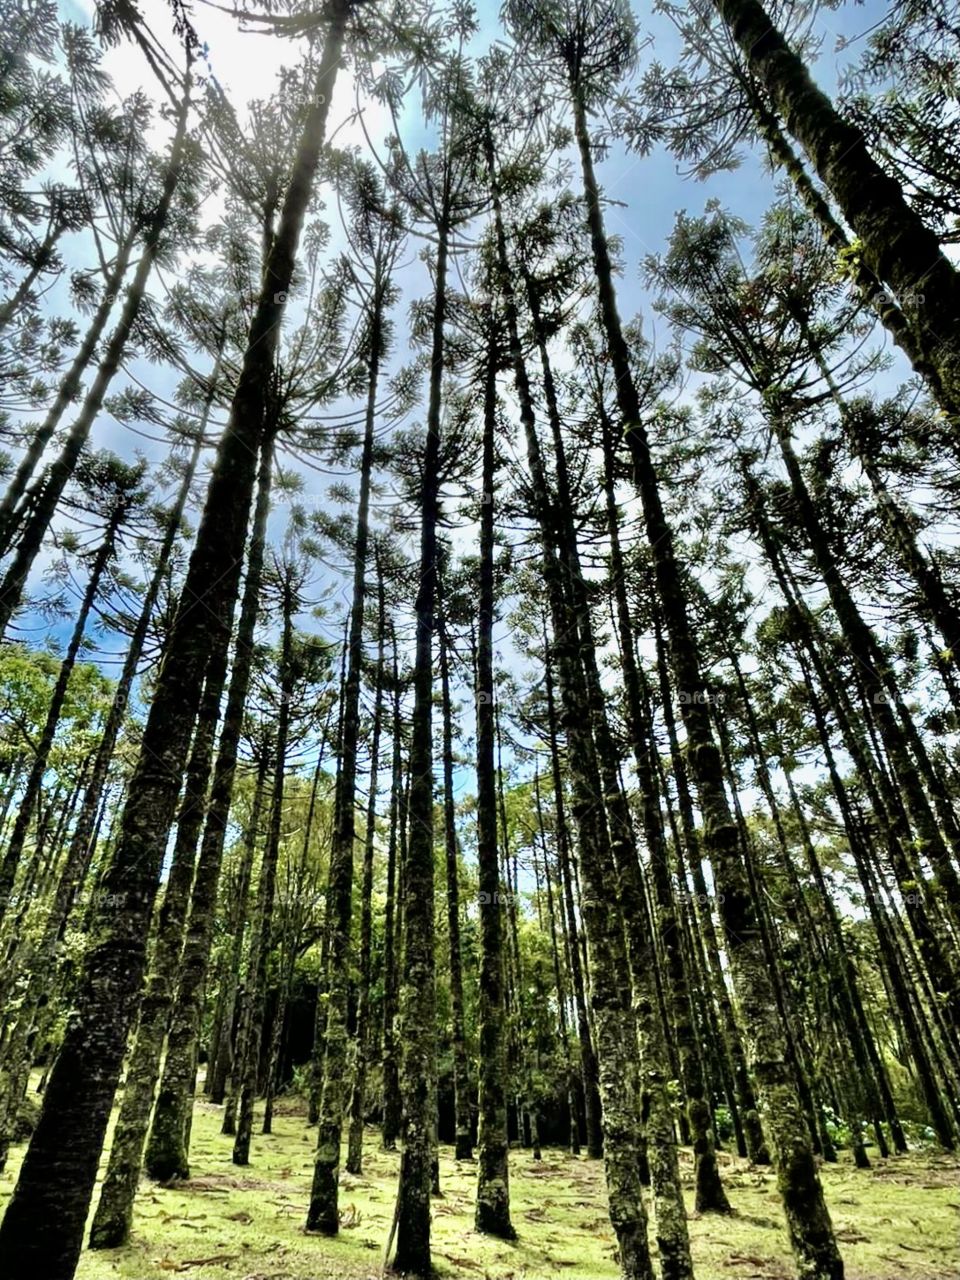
[900,1219]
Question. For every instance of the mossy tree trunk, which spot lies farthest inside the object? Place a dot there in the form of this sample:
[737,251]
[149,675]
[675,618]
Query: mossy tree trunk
[112,1220]
[588,1057]
[493,1174]
[615,1030]
[463,1148]
[323,1212]
[255,994]
[358,1088]
[808,1220]
[56,1180]
[417,992]
[391,926]
[893,241]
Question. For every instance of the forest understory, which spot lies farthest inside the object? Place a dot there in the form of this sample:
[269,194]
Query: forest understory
[899,1220]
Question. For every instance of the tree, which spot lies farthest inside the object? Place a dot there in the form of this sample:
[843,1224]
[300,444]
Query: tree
[81,1086]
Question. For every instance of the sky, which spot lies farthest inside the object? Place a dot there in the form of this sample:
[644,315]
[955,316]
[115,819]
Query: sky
[643,193]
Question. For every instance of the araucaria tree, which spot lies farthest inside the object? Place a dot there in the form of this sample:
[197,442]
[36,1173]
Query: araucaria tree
[478,662]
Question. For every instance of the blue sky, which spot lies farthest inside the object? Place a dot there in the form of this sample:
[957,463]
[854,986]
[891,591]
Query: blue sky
[645,193]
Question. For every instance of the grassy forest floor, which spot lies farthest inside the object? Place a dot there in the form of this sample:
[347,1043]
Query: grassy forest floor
[899,1219]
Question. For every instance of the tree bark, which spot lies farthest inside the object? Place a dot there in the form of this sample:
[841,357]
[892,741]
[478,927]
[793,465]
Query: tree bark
[808,1220]
[323,1213]
[492,1215]
[894,242]
[463,1148]
[355,1109]
[56,1180]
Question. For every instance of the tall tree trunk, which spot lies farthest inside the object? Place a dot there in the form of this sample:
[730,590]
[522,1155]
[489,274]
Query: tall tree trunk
[323,1212]
[80,843]
[354,1162]
[227,1056]
[165,1149]
[40,261]
[492,1214]
[559,980]
[391,927]
[655,1071]
[588,1058]
[893,241]
[41,758]
[616,1050]
[255,995]
[463,1149]
[111,1222]
[808,1220]
[66,394]
[57,1180]
[418,990]
[710,1195]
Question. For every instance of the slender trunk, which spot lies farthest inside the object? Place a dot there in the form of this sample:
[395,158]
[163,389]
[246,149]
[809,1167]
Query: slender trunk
[418,991]
[808,1220]
[318,1055]
[492,1215]
[80,844]
[41,260]
[893,241]
[323,1212]
[66,394]
[886,800]
[56,1179]
[354,1162]
[254,1005]
[588,1059]
[879,684]
[558,977]
[31,791]
[893,967]
[461,1075]
[162,1165]
[655,1070]
[615,1031]
[38,522]
[867,1055]
[111,1222]
[710,1195]
[391,928]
